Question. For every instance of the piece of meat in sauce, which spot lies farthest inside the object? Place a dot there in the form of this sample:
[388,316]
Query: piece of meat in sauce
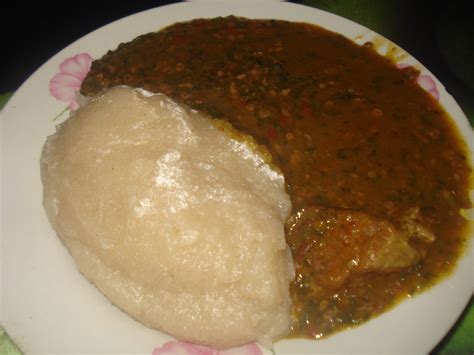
[333,244]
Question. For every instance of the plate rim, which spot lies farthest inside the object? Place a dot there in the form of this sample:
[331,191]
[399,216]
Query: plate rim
[11,110]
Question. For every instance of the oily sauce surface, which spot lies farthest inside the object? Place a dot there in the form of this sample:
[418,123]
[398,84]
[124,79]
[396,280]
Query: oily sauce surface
[348,129]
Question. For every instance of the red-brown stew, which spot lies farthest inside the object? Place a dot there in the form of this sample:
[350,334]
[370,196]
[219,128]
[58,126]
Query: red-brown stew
[376,171]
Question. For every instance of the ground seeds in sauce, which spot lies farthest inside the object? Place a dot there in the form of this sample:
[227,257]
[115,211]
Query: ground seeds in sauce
[349,130]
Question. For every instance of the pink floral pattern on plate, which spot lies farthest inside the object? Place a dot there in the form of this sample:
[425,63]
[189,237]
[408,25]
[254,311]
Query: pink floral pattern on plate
[65,85]
[425,81]
[184,348]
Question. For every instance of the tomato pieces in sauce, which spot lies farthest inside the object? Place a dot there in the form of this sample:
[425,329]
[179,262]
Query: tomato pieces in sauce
[349,130]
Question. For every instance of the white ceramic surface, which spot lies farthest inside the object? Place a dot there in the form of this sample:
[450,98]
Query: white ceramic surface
[49,307]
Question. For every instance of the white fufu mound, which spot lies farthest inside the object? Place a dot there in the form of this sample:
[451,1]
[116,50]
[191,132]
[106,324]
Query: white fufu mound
[178,224]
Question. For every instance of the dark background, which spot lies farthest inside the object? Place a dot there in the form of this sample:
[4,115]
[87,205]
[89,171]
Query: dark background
[440,34]
[33,32]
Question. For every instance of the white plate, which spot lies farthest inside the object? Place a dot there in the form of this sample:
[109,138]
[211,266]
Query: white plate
[48,307]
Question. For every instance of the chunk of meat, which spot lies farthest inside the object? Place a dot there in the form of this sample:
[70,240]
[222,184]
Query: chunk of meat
[336,243]
[412,224]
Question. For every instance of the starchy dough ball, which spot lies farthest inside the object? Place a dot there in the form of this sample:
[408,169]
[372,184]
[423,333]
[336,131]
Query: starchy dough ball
[177,223]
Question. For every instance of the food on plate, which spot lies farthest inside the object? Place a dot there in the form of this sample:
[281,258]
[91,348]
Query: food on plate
[334,244]
[177,220]
[353,133]
[333,247]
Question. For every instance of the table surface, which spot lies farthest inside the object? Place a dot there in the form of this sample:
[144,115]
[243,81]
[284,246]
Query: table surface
[426,32]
